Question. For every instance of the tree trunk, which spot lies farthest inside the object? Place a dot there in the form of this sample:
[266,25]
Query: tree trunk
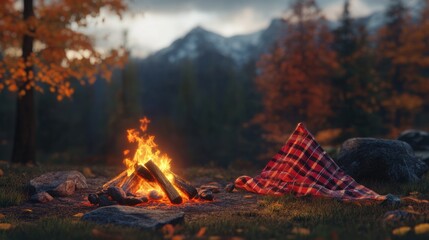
[24,147]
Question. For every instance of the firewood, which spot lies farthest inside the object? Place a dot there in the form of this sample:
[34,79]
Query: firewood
[185,187]
[142,172]
[163,182]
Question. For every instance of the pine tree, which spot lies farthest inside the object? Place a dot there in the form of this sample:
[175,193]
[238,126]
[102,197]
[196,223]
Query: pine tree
[396,65]
[354,96]
[294,78]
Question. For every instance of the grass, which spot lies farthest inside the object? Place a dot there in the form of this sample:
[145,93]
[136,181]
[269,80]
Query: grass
[284,217]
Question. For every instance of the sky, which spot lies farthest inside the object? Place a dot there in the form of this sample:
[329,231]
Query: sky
[154,24]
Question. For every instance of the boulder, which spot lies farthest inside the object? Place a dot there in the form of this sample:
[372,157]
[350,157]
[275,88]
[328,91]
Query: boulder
[380,159]
[58,184]
[418,140]
[133,216]
[41,197]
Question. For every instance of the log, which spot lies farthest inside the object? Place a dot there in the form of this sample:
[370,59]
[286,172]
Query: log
[144,173]
[185,187]
[163,182]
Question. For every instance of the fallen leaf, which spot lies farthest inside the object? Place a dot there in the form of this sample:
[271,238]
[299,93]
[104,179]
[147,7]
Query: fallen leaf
[201,232]
[401,231]
[301,231]
[104,235]
[178,237]
[2,216]
[422,228]
[168,231]
[27,210]
[1,172]
[214,238]
[5,226]
[78,215]
[248,196]
[88,172]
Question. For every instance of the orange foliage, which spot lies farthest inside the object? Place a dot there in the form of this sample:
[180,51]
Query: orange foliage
[295,77]
[61,53]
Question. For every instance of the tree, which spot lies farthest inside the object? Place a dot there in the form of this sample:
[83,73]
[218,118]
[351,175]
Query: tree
[42,50]
[397,66]
[294,78]
[354,88]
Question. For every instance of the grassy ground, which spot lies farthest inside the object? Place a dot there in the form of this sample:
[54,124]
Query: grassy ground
[274,218]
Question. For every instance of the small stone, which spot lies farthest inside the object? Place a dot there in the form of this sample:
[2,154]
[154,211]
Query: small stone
[230,187]
[206,195]
[392,200]
[41,197]
[117,194]
[93,198]
[154,195]
[105,201]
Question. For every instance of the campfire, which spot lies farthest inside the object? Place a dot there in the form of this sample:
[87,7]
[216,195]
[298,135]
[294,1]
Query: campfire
[147,177]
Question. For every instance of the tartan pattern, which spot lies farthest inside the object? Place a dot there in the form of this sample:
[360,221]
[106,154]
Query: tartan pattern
[303,168]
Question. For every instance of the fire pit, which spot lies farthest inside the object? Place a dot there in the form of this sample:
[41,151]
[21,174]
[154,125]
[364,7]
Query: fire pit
[147,177]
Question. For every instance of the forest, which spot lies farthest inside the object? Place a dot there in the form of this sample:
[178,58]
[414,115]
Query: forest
[341,78]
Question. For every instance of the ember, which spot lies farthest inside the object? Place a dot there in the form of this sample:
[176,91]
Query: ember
[147,176]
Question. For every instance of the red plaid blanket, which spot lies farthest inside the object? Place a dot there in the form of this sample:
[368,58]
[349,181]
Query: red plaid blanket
[303,168]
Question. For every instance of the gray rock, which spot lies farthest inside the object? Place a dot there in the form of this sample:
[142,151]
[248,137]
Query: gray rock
[133,216]
[41,197]
[206,194]
[380,159]
[392,201]
[93,198]
[58,184]
[230,187]
[418,140]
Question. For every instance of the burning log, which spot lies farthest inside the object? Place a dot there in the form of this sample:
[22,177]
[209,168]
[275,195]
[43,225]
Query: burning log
[185,187]
[144,173]
[163,182]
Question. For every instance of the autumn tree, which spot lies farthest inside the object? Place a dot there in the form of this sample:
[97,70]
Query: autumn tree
[295,77]
[397,63]
[42,50]
[354,96]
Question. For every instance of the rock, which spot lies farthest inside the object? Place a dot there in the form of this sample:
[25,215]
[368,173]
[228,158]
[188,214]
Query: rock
[105,201]
[154,195]
[93,198]
[133,216]
[230,187]
[418,140]
[41,197]
[392,200]
[423,155]
[117,194]
[58,184]
[206,195]
[380,159]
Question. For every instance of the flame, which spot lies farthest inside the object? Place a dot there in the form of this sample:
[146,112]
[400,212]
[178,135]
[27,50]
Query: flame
[147,150]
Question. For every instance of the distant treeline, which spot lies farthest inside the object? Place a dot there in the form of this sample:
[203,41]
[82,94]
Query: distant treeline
[341,82]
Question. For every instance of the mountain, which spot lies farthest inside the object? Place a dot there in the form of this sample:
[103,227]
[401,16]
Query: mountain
[240,48]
